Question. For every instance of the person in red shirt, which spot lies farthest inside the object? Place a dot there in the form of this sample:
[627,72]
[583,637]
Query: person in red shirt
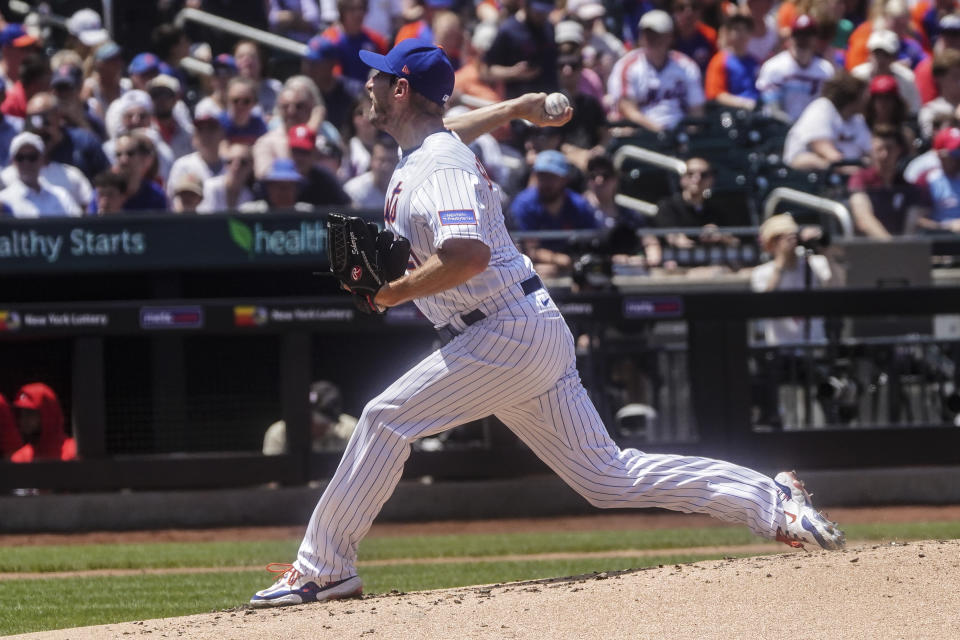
[35,75]
[41,425]
[10,439]
[883,204]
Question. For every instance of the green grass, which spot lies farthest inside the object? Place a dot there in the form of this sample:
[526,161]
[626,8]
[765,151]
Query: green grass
[35,605]
[238,554]
[38,605]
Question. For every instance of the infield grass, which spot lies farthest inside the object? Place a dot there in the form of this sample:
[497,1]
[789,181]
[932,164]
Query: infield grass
[259,553]
[40,604]
[37,605]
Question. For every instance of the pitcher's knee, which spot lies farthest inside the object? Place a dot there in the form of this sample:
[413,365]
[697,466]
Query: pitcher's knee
[380,418]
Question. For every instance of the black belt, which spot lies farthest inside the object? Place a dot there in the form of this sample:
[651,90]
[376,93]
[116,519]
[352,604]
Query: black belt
[448,333]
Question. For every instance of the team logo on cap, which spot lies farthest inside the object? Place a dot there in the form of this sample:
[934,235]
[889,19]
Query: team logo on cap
[405,70]
[356,272]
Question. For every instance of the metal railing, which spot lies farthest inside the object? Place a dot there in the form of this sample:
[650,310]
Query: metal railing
[43,17]
[648,209]
[648,157]
[196,67]
[238,29]
[817,203]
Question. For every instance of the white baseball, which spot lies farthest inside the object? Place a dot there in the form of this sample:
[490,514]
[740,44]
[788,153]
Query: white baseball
[556,104]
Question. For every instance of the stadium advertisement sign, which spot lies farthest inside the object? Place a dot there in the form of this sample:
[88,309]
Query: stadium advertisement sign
[161,242]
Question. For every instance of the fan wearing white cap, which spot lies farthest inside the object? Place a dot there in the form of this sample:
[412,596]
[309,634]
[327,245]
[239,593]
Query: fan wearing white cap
[30,196]
[58,174]
[134,111]
[884,45]
[86,26]
[653,85]
[601,49]
[894,15]
[164,91]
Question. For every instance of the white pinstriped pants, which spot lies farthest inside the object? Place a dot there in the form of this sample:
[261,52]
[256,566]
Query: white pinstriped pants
[518,364]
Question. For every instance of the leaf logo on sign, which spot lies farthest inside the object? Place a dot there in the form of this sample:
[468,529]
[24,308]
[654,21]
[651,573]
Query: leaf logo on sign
[241,235]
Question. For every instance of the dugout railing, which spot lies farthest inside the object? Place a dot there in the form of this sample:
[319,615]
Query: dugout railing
[162,341]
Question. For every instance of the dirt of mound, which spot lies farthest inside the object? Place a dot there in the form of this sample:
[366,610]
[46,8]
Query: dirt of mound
[889,591]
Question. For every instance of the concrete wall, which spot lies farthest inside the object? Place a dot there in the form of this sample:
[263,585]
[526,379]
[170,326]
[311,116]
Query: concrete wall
[526,497]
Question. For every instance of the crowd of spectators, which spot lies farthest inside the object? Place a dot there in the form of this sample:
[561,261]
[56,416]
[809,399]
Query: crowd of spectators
[93,127]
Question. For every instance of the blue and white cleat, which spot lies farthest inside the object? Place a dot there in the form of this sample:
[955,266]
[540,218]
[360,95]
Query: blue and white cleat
[294,588]
[804,523]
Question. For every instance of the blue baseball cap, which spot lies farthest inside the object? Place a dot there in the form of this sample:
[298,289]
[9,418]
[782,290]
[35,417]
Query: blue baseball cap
[14,35]
[68,76]
[424,65]
[225,61]
[144,63]
[551,161]
[321,48]
[283,170]
[543,6]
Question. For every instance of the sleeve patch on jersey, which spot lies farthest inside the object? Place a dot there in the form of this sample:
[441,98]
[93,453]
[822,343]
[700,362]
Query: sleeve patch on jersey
[458,216]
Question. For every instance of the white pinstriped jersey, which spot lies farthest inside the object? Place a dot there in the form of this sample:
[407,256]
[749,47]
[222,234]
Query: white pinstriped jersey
[440,190]
[518,363]
[663,95]
[782,80]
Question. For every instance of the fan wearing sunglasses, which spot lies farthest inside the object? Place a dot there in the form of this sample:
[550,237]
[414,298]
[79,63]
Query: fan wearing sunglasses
[243,123]
[30,196]
[137,162]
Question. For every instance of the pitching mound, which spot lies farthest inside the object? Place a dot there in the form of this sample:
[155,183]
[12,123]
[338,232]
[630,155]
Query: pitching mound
[894,590]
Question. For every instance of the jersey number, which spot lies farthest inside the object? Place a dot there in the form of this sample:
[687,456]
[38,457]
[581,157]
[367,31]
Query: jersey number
[390,210]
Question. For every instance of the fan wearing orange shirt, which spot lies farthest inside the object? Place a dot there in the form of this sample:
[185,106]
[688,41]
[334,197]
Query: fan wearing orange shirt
[351,37]
[894,16]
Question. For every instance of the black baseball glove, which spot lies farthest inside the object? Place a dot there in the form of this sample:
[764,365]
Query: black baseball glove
[363,258]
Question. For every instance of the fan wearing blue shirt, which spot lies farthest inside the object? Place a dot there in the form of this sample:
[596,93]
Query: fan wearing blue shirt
[135,156]
[551,206]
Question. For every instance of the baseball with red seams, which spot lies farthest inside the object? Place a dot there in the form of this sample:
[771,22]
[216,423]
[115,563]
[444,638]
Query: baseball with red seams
[556,104]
